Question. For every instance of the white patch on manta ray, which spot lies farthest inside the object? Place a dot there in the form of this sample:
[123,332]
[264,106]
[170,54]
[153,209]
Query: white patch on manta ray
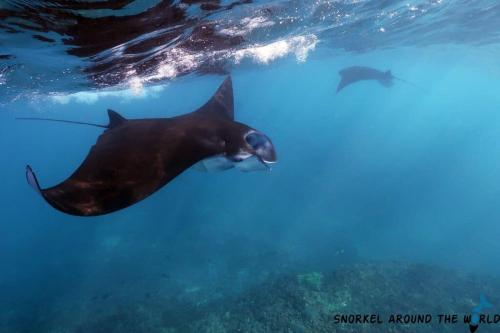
[222,163]
[214,164]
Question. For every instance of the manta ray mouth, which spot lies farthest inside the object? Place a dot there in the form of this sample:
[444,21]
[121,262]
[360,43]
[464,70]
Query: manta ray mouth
[244,162]
[241,157]
[253,163]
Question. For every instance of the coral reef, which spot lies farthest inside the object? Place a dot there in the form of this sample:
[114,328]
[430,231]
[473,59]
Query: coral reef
[312,279]
[291,303]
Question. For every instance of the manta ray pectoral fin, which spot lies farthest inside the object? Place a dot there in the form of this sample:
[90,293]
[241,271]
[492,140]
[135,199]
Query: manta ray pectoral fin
[115,118]
[221,105]
[32,180]
[343,82]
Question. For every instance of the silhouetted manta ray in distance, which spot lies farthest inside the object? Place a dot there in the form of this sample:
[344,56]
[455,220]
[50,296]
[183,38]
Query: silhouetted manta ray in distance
[353,74]
[134,158]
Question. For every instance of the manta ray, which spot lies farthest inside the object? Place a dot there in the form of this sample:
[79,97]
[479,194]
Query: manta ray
[133,158]
[353,74]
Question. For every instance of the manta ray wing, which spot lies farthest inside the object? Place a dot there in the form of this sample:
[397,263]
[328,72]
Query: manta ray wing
[221,105]
[348,76]
[127,164]
[344,82]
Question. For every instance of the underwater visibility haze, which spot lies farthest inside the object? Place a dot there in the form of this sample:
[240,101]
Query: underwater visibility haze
[261,166]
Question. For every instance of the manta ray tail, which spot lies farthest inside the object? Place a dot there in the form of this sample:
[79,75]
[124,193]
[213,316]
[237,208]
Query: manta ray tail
[115,119]
[62,121]
[410,83]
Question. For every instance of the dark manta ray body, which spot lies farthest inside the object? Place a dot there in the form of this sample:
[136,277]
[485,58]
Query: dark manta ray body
[355,74]
[350,75]
[134,158]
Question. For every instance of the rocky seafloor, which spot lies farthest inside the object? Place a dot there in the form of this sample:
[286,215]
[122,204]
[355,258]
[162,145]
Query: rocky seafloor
[308,302]
[298,303]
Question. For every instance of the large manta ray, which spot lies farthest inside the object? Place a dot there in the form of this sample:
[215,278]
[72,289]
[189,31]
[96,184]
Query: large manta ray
[134,158]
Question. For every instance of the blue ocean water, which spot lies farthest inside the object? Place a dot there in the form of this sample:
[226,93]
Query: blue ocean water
[366,176]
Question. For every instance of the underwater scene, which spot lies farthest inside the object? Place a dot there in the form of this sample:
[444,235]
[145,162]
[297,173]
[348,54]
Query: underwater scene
[174,166]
